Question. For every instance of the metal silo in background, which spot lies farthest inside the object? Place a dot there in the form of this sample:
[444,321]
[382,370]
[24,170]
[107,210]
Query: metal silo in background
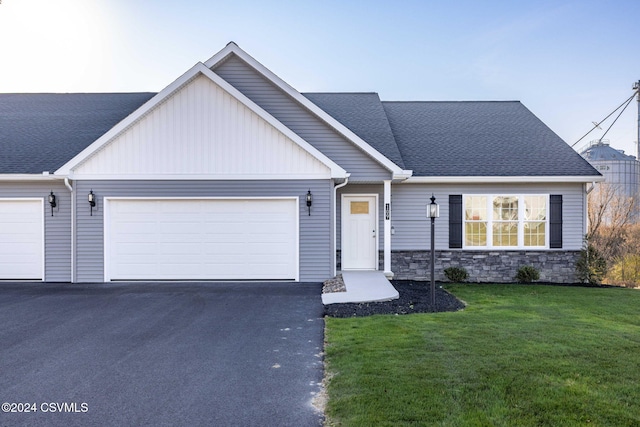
[621,171]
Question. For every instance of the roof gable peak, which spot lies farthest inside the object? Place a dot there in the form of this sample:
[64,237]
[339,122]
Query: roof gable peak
[233,49]
[199,69]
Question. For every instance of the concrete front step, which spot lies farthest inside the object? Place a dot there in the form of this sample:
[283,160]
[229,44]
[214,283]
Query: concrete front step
[363,286]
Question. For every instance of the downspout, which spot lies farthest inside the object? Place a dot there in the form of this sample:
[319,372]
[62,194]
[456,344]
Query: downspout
[67,184]
[335,214]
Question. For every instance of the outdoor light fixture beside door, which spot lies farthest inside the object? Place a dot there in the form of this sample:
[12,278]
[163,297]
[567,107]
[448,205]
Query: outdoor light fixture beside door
[433,212]
[92,201]
[52,201]
[309,201]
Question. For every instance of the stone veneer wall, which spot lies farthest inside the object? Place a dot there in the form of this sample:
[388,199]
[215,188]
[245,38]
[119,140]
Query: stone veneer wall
[485,266]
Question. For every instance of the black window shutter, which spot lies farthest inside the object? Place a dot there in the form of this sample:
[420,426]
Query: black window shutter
[555,221]
[455,221]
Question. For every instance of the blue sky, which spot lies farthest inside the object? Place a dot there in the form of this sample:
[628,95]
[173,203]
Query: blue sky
[570,62]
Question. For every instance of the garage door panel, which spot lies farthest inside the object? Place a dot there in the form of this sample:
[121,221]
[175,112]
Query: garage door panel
[17,270]
[175,236]
[22,239]
[17,250]
[134,229]
[231,249]
[215,239]
[131,248]
[16,228]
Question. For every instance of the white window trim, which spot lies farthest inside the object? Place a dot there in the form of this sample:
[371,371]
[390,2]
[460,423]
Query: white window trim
[490,222]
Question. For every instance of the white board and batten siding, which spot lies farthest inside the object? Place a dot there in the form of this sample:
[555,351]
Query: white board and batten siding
[201,239]
[297,118]
[412,228]
[201,132]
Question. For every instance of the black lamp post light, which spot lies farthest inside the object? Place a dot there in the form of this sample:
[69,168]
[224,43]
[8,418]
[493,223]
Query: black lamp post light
[433,212]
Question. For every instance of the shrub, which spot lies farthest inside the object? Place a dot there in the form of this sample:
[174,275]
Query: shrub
[456,274]
[527,274]
[626,271]
[591,266]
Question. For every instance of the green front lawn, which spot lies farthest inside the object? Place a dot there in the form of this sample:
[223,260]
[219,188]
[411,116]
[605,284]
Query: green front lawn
[518,355]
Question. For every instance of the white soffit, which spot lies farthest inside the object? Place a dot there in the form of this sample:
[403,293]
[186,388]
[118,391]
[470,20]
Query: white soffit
[200,127]
[232,48]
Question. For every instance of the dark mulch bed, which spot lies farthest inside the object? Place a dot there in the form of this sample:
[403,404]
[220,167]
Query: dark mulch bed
[415,297]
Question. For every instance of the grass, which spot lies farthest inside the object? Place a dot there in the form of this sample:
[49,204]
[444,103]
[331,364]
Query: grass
[518,355]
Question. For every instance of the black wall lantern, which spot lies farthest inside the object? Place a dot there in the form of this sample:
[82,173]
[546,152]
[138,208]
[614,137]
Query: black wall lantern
[92,201]
[52,201]
[309,201]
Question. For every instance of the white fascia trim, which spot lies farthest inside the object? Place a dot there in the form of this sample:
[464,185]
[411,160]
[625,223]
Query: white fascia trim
[27,177]
[193,72]
[498,179]
[398,173]
[405,174]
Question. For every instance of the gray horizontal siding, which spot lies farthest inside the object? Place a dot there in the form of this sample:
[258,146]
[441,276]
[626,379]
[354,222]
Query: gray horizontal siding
[412,227]
[316,262]
[284,108]
[57,228]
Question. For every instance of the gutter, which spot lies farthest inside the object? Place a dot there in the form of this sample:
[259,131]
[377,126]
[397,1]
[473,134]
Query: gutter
[499,179]
[45,176]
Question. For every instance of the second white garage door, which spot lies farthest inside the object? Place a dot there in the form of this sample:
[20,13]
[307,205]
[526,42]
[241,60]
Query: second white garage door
[205,239]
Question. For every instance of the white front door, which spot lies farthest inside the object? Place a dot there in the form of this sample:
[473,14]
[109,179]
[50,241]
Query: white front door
[359,232]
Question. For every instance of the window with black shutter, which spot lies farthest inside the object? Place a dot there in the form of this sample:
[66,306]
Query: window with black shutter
[455,221]
[555,221]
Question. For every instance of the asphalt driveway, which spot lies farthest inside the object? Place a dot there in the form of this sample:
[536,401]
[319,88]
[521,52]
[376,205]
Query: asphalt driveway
[224,354]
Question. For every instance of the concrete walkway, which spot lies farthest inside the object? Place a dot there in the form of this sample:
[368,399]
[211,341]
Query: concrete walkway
[363,286]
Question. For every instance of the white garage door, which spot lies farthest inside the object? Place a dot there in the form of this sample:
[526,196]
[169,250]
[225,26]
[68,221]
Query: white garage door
[211,239]
[21,239]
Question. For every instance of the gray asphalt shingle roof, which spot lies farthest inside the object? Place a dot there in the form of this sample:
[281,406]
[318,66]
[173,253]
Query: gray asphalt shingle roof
[41,132]
[480,138]
[362,114]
